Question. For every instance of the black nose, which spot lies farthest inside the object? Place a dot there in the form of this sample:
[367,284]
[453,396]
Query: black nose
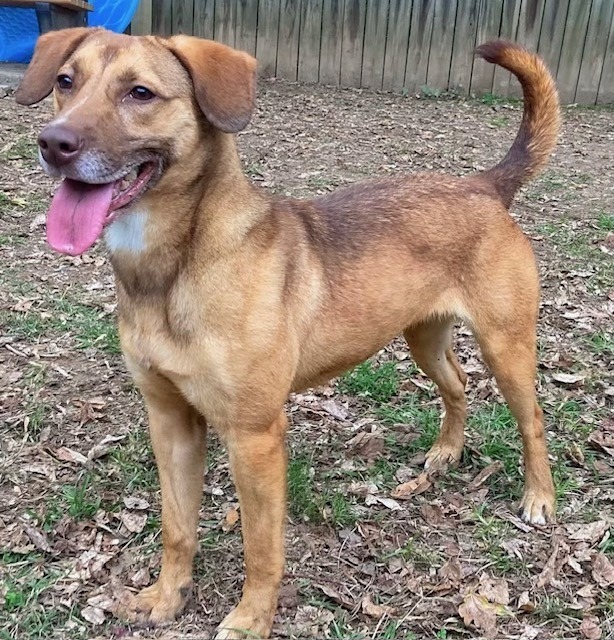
[59,144]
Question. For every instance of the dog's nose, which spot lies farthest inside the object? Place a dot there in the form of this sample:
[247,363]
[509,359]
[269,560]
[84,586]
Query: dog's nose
[59,145]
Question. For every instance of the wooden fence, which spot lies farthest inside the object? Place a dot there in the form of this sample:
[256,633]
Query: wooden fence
[404,45]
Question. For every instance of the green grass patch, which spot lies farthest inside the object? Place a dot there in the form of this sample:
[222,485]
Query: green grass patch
[490,533]
[310,503]
[90,327]
[376,383]
[418,553]
[133,463]
[605,221]
[27,612]
[499,121]
[425,420]
[80,501]
[601,342]
[491,99]
[22,149]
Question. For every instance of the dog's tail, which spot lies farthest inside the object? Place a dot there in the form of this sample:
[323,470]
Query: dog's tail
[540,122]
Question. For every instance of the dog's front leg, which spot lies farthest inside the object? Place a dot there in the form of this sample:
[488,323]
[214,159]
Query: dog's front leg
[178,436]
[258,463]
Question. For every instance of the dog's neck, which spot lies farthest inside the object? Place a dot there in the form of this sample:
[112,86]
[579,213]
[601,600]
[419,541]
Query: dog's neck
[186,212]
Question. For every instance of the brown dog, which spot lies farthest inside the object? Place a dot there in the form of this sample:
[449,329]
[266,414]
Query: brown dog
[229,299]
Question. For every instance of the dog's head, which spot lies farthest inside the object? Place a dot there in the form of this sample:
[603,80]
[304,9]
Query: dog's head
[127,108]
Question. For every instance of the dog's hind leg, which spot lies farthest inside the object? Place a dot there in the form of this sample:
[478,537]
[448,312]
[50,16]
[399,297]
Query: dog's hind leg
[430,343]
[258,464]
[178,436]
[509,351]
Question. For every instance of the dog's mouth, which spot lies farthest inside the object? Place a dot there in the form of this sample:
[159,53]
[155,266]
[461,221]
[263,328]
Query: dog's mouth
[80,210]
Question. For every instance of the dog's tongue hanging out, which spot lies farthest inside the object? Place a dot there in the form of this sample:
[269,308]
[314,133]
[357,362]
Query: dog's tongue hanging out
[77,215]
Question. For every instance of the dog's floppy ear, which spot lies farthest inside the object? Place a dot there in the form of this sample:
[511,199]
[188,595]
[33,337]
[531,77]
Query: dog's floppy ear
[224,80]
[51,52]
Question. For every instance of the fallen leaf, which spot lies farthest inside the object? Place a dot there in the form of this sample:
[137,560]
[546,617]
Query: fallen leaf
[568,378]
[362,488]
[525,603]
[602,441]
[94,615]
[486,472]
[405,491]
[69,455]
[103,447]
[141,577]
[452,571]
[366,445]
[373,610]
[591,532]
[102,601]
[477,611]
[132,502]
[38,221]
[335,596]
[603,570]
[134,522]
[548,573]
[530,633]
[338,412]
[494,589]
[590,629]
[38,538]
[387,502]
[230,519]
[433,514]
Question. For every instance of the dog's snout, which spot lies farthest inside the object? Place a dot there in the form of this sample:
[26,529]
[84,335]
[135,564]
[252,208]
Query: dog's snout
[59,144]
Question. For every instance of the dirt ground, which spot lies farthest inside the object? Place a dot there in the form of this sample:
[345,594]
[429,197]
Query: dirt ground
[445,557]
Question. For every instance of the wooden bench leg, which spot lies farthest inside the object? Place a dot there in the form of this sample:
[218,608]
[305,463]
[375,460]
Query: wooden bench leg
[52,17]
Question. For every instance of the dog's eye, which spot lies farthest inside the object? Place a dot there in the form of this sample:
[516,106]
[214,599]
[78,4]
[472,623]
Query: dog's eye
[141,93]
[64,82]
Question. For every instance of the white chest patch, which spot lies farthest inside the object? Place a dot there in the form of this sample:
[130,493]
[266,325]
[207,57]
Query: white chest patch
[127,233]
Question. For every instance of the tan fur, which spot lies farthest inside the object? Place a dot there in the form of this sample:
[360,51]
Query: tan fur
[239,298]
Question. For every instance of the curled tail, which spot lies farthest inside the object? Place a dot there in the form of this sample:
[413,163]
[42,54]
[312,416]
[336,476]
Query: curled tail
[540,122]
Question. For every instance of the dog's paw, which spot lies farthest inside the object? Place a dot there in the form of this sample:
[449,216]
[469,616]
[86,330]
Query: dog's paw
[537,508]
[442,456]
[243,624]
[159,603]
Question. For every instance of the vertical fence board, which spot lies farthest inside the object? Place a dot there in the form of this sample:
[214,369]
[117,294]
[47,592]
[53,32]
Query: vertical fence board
[489,21]
[330,48]
[403,44]
[509,24]
[553,29]
[399,20]
[377,26]
[268,31]
[225,21]
[606,83]
[183,16]
[309,41]
[527,34]
[530,23]
[571,51]
[247,25]
[162,18]
[419,44]
[374,49]
[442,41]
[465,34]
[594,52]
[287,43]
[141,21]
[352,42]
[203,18]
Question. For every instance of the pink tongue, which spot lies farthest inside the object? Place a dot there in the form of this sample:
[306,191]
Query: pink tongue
[76,217]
